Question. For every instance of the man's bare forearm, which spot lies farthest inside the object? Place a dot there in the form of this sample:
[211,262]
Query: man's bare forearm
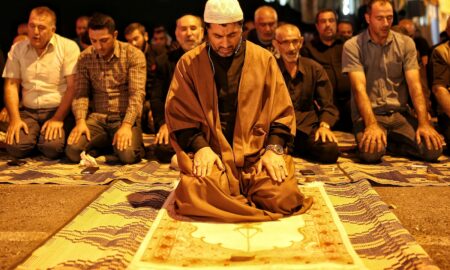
[443,98]
[66,101]
[12,98]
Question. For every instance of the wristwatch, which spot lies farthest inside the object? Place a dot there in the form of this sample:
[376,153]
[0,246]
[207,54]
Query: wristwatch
[276,148]
[325,125]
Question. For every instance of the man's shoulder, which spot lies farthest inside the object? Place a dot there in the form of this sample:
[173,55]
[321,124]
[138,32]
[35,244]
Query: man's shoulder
[193,53]
[87,53]
[68,43]
[443,49]
[310,63]
[130,50]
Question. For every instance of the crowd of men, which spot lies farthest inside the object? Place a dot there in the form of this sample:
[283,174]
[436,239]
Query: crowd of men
[232,105]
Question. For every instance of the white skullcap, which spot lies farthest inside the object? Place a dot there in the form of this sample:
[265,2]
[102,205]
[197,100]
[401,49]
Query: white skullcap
[222,11]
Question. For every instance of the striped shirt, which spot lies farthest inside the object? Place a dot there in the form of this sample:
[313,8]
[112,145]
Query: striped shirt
[117,84]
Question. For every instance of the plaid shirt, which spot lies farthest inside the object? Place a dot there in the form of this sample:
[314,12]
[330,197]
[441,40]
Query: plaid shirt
[117,84]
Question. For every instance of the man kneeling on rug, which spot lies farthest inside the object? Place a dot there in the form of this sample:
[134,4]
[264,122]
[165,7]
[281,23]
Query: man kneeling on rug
[230,146]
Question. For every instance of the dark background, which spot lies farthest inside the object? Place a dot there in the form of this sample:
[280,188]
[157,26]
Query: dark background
[149,13]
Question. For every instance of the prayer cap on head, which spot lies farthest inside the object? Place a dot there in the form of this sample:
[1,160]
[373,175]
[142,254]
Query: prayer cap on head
[222,11]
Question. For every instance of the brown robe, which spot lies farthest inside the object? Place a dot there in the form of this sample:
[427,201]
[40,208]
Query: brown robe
[237,194]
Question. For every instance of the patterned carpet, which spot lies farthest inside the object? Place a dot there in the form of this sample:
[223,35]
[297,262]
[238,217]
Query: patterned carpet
[109,231]
[315,240]
[398,171]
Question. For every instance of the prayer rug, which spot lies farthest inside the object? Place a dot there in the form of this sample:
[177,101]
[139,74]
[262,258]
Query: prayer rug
[314,240]
[377,235]
[108,232]
[399,171]
[306,171]
[40,170]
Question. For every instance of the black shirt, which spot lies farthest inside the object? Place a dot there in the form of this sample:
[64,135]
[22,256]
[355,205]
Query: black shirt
[311,94]
[165,66]
[330,57]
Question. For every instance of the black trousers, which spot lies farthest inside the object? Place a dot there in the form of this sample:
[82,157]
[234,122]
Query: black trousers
[318,151]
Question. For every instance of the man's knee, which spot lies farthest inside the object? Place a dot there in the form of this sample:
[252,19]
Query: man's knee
[52,149]
[164,153]
[73,152]
[281,198]
[375,157]
[430,155]
[327,153]
[20,150]
[129,156]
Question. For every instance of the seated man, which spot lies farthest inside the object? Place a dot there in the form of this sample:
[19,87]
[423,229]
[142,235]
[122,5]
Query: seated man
[440,60]
[44,66]
[230,146]
[266,20]
[136,35]
[115,73]
[382,66]
[308,85]
[189,34]
[326,49]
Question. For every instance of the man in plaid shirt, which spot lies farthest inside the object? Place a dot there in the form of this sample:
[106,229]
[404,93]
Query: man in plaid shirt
[113,74]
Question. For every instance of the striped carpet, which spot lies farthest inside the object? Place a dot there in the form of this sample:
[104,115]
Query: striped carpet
[108,232]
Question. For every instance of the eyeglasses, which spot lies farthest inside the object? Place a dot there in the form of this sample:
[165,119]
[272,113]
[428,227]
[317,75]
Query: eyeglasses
[295,42]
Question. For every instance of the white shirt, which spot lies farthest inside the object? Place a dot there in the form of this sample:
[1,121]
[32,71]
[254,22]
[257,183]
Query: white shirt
[43,77]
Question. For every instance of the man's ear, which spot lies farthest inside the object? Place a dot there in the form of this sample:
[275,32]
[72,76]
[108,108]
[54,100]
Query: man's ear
[115,34]
[275,44]
[367,17]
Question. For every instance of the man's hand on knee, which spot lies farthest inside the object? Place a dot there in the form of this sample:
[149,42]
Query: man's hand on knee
[433,140]
[204,160]
[123,137]
[374,137]
[13,131]
[274,165]
[52,129]
[162,137]
[80,129]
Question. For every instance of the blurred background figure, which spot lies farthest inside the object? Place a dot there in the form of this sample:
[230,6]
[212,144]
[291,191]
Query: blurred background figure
[81,26]
[266,21]
[161,40]
[345,30]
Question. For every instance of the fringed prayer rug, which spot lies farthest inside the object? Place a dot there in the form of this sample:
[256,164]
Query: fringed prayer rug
[375,232]
[40,170]
[326,173]
[315,240]
[399,171]
[108,232]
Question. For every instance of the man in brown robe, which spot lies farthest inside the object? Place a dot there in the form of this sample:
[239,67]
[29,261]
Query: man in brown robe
[229,115]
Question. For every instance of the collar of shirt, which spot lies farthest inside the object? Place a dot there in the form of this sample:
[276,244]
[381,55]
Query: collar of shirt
[300,67]
[317,43]
[116,52]
[51,44]
[367,38]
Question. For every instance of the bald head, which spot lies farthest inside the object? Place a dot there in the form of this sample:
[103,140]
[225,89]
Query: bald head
[266,20]
[286,28]
[409,26]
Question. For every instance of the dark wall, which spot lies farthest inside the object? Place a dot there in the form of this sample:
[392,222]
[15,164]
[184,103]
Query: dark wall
[149,13]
